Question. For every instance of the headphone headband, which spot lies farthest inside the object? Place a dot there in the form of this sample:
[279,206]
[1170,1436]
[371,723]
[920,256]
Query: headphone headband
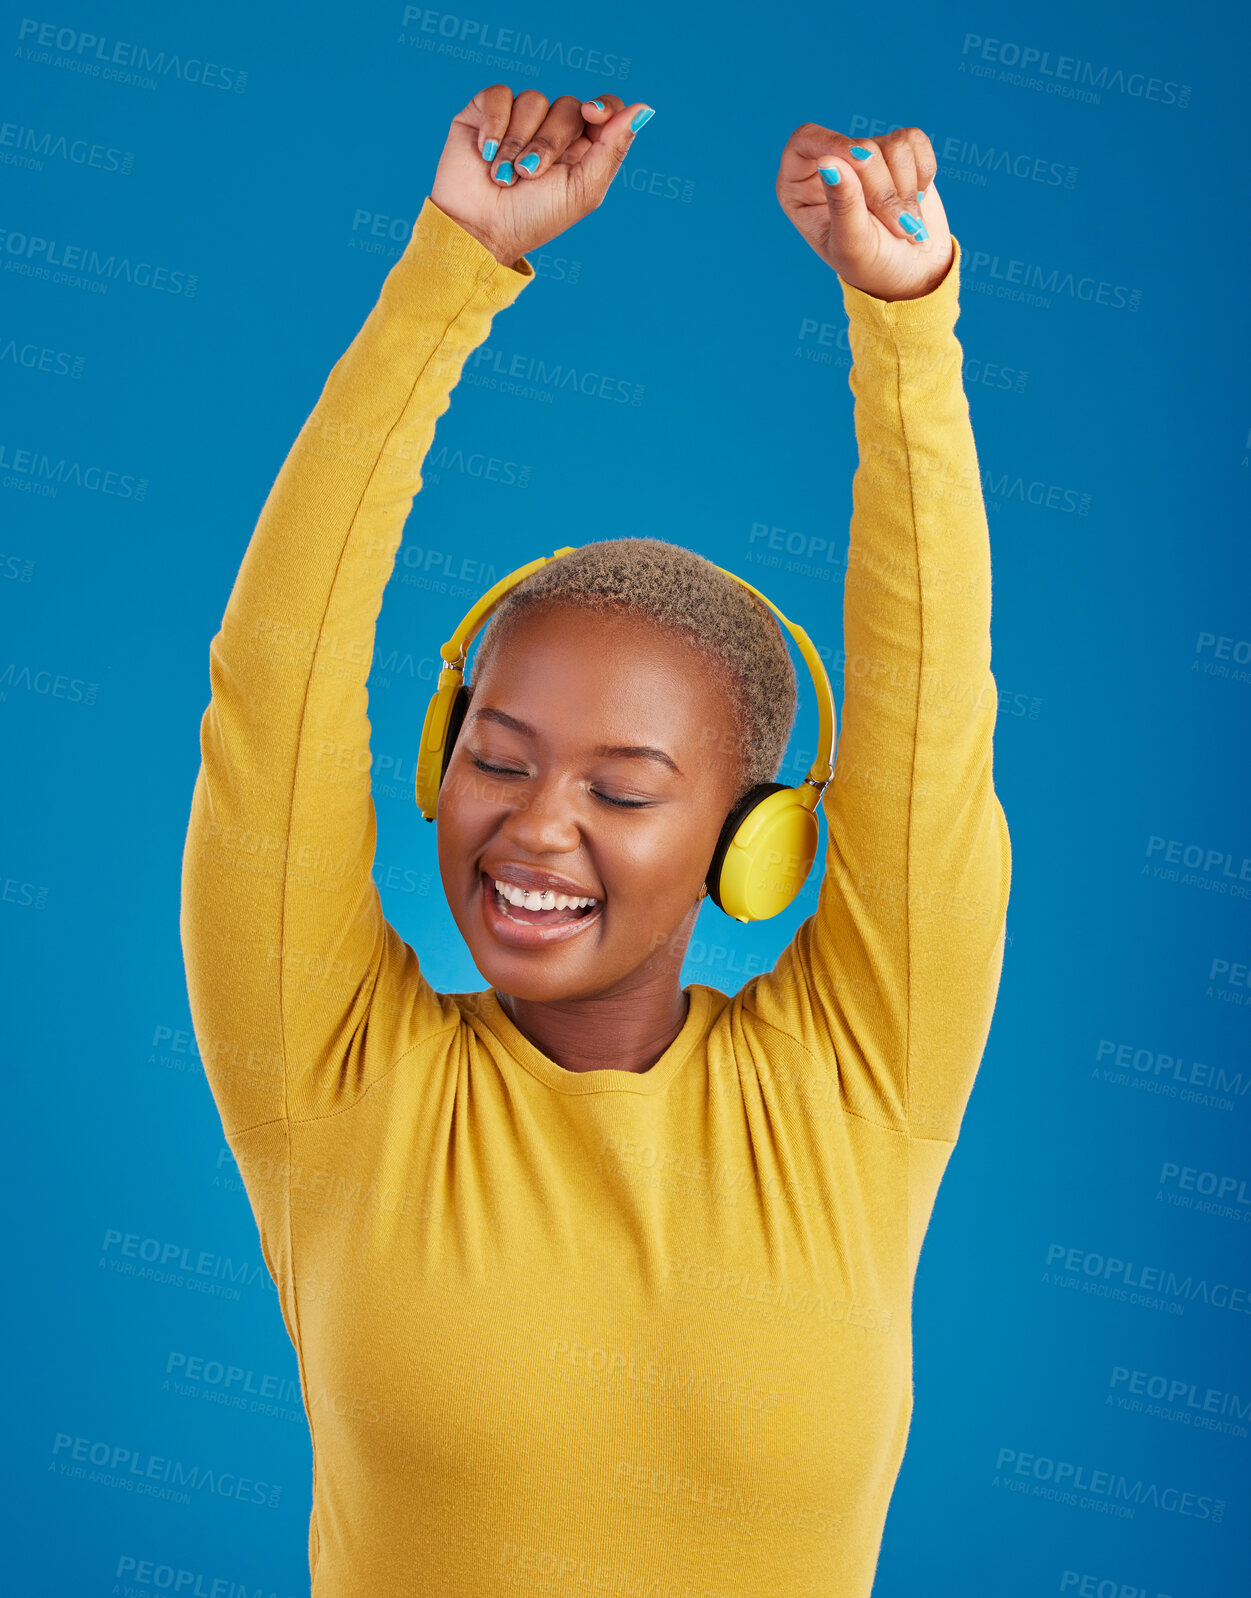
[822,768]
[455,651]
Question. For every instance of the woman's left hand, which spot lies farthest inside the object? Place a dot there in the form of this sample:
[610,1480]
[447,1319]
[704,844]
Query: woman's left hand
[869,225]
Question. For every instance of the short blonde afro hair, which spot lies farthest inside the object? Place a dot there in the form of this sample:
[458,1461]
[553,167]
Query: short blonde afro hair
[684,594]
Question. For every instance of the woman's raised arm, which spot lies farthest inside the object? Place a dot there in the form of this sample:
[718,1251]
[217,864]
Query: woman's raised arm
[301,992]
[285,943]
[893,980]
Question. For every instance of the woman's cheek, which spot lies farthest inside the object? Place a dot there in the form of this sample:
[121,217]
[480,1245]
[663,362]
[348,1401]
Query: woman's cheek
[474,799]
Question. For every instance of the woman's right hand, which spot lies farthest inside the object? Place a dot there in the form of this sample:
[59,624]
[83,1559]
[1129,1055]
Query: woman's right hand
[512,209]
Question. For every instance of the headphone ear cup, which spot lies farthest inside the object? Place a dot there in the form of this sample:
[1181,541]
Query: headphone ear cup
[455,719]
[444,715]
[733,822]
[765,852]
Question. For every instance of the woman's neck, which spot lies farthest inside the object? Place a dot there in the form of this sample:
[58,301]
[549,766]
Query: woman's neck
[617,1032]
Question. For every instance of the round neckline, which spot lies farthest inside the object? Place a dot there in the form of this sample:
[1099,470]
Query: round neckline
[491,1014]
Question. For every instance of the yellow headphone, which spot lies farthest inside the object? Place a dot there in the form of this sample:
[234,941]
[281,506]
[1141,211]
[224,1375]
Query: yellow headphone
[769,840]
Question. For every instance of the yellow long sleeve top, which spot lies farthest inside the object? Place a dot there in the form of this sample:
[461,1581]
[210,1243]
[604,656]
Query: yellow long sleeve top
[608,1332]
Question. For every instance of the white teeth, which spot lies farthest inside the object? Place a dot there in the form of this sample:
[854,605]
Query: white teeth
[539,900]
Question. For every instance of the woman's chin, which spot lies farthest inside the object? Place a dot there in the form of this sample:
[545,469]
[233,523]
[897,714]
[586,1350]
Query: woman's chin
[525,980]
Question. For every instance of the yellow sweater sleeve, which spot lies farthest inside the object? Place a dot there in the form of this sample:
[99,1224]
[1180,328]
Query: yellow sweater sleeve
[892,981]
[301,992]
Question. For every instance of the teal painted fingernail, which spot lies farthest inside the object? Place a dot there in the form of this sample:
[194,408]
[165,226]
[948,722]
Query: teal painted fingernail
[598,104]
[860,153]
[909,223]
[922,234]
[830,175]
[530,162]
[645,115]
[920,194]
[504,172]
[489,149]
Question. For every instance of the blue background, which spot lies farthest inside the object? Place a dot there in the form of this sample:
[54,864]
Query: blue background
[1121,628]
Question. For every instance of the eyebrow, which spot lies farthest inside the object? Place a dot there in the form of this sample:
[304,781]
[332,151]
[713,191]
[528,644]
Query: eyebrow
[602,751]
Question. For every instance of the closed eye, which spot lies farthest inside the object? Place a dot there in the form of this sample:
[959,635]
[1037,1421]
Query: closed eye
[507,771]
[498,771]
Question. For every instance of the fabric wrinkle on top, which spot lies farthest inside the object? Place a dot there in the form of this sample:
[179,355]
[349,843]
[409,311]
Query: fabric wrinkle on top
[628,1332]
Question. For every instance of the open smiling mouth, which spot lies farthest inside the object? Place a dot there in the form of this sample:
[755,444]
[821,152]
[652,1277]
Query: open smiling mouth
[525,928]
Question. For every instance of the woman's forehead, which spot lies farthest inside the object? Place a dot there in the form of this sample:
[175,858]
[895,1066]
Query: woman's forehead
[584,681]
[612,646]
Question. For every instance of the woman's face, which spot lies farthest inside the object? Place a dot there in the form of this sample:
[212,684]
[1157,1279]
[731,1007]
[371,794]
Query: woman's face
[598,759]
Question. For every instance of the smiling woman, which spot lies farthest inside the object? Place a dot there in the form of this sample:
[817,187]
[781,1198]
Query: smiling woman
[626,1265]
[623,698]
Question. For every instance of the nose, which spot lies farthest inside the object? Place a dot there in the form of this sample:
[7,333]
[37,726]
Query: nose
[544,820]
